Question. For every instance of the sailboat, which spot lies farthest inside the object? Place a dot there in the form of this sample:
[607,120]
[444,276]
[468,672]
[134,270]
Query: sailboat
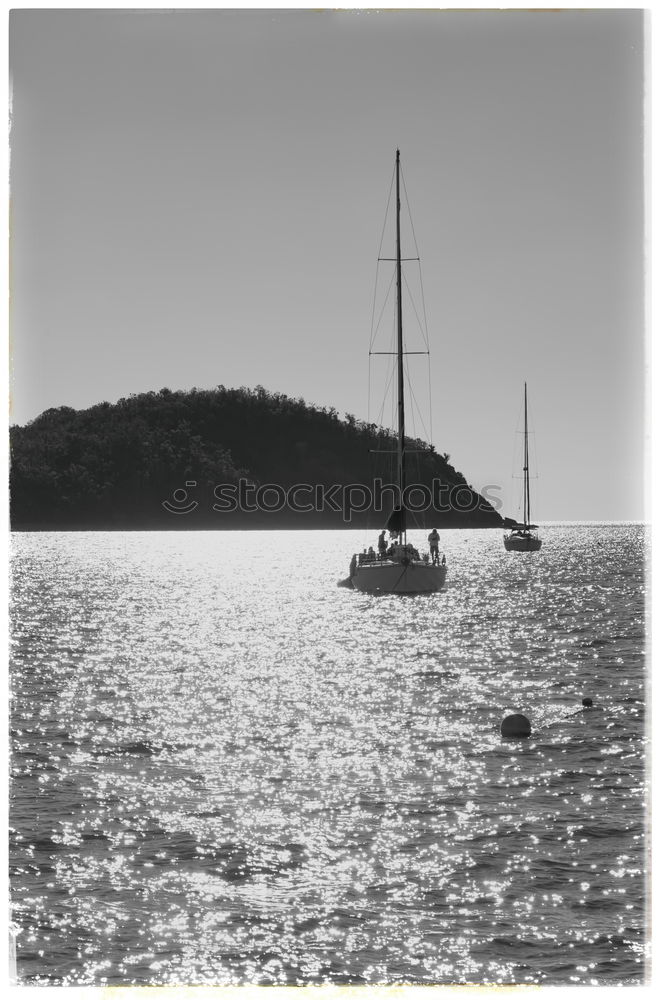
[399,569]
[522,538]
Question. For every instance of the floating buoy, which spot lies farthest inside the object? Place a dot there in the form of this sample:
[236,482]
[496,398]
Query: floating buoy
[587,702]
[517,726]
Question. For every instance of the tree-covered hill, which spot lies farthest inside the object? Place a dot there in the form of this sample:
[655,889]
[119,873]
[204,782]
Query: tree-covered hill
[115,466]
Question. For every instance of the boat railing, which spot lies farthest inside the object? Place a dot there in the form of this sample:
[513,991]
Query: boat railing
[381,560]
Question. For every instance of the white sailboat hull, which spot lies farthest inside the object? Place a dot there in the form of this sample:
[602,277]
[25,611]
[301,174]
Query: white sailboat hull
[395,578]
[522,543]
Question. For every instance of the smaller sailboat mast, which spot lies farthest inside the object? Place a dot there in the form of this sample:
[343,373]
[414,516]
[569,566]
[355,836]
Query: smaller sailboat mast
[521,537]
[526,471]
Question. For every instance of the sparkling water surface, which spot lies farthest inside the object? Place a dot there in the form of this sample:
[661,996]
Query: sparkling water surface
[228,770]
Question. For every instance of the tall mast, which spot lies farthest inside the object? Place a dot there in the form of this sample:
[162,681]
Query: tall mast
[399,329]
[526,476]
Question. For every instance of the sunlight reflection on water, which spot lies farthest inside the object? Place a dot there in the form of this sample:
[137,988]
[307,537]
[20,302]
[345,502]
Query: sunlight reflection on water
[227,770]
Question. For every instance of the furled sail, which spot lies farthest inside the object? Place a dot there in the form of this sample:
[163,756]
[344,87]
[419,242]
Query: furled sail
[397,521]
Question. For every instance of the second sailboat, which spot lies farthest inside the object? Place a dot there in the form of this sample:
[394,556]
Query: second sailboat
[522,537]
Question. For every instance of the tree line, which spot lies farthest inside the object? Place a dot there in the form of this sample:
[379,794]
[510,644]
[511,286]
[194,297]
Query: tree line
[115,465]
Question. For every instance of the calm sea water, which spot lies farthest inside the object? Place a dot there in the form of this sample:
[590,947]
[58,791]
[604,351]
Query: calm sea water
[227,770]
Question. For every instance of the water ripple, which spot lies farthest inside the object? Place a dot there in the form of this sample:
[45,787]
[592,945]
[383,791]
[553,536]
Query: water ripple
[226,770]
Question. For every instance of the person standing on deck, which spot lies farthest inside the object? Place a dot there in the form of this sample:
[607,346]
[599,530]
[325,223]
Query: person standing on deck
[433,541]
[382,545]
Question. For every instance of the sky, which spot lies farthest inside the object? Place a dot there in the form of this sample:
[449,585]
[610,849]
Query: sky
[197,199]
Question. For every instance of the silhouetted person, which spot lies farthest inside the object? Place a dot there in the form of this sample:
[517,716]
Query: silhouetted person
[382,545]
[433,541]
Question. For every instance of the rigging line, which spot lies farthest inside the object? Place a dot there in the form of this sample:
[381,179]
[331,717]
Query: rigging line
[517,462]
[384,306]
[386,212]
[379,254]
[430,405]
[421,284]
[390,370]
[378,409]
[406,284]
[407,202]
[532,441]
[368,392]
[415,520]
[419,517]
[379,422]
[428,347]
[418,316]
[394,393]
[377,262]
[413,399]
[389,384]
[375,292]
[399,579]
[376,327]
[418,258]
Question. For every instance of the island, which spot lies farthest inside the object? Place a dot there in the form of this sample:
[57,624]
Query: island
[224,458]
